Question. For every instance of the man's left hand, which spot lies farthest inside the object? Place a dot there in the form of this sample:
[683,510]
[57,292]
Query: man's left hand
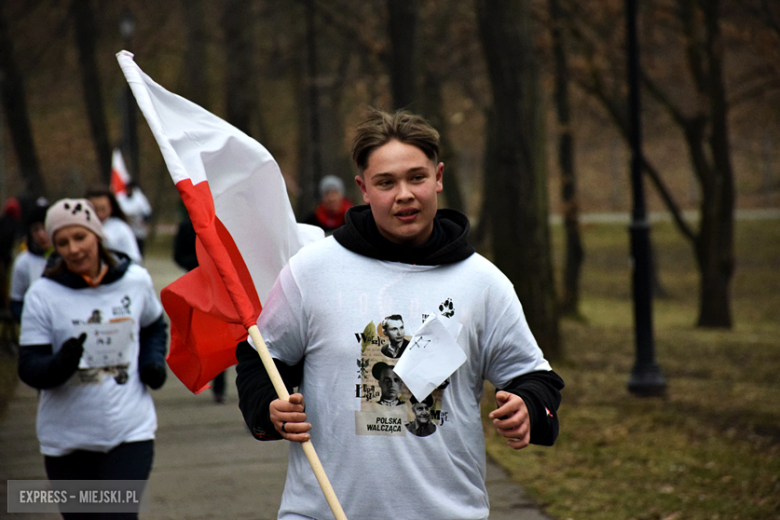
[511,420]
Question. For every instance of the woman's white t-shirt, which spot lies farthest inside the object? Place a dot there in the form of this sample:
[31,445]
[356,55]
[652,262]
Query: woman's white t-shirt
[96,409]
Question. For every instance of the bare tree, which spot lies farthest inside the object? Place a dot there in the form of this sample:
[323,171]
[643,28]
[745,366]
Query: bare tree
[310,136]
[86,37]
[436,70]
[401,26]
[518,194]
[196,87]
[575,254]
[701,116]
[15,108]
[239,70]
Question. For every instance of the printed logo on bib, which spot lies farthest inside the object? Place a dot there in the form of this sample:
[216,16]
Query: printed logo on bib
[387,407]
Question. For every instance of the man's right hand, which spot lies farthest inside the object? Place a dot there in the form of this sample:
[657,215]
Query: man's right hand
[289,419]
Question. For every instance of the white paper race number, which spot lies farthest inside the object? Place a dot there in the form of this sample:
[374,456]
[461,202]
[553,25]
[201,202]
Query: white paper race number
[107,344]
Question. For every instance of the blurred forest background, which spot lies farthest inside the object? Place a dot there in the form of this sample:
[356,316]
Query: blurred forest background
[530,97]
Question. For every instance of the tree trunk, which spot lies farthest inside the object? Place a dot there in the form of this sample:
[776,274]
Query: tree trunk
[433,110]
[715,248]
[521,238]
[196,88]
[402,23]
[334,157]
[239,84]
[15,107]
[310,169]
[574,251]
[86,36]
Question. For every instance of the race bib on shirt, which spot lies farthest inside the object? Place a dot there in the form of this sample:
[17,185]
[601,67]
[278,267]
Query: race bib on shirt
[107,344]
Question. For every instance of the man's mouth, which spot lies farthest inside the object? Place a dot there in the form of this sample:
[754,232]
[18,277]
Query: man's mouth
[406,214]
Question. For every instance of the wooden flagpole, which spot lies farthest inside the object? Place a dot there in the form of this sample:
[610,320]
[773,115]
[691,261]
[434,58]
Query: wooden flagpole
[308,447]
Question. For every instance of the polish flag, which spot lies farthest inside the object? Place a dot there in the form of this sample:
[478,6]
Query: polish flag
[119,176]
[236,197]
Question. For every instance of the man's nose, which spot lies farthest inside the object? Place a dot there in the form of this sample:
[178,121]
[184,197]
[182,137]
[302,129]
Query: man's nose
[404,193]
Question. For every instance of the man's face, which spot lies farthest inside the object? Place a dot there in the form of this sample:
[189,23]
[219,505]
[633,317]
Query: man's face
[395,331]
[421,412]
[390,384]
[401,183]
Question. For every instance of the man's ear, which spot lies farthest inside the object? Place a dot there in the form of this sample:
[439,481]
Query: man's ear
[361,182]
[439,176]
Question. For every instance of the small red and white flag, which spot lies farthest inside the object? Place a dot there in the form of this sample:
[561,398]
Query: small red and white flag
[119,175]
[236,197]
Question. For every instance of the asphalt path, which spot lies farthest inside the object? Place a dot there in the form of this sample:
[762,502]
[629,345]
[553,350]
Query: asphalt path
[206,464]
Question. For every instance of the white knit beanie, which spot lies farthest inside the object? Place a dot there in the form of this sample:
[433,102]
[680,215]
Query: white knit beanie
[73,212]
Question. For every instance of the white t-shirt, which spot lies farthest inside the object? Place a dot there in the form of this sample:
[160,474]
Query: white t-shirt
[26,270]
[120,237]
[137,209]
[328,305]
[96,409]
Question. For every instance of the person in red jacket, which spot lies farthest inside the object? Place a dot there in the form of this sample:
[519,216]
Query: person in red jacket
[329,215]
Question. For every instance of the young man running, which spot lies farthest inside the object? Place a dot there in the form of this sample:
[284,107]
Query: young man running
[396,255]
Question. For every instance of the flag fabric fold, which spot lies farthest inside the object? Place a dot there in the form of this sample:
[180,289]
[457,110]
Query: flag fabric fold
[236,197]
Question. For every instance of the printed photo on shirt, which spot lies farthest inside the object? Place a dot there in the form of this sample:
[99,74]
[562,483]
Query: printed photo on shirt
[386,404]
[393,332]
[423,424]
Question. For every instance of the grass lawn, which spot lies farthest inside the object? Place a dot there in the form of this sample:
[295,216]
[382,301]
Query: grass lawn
[711,448]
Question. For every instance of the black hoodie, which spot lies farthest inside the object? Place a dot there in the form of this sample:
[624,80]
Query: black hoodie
[447,244]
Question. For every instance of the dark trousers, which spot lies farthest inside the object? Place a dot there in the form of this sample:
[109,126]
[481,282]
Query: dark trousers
[218,385]
[128,461]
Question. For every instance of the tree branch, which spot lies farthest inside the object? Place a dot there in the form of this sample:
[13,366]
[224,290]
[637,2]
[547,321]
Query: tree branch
[621,123]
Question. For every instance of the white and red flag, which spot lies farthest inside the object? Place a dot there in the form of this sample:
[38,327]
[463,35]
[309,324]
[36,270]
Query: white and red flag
[119,175]
[236,197]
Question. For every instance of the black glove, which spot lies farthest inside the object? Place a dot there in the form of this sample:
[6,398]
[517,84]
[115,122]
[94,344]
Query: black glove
[70,352]
[153,375]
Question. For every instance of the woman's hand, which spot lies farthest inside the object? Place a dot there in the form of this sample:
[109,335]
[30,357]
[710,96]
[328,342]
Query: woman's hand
[70,352]
[289,418]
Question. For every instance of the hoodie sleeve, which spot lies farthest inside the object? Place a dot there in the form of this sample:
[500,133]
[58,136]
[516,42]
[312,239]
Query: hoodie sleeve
[541,392]
[42,369]
[255,390]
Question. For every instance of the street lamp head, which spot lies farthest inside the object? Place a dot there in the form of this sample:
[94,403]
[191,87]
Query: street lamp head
[126,24]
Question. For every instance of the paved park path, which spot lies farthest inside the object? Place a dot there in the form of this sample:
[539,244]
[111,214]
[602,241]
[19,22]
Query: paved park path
[206,465]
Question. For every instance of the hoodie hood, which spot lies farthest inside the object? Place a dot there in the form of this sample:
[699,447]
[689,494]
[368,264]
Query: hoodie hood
[74,281]
[448,242]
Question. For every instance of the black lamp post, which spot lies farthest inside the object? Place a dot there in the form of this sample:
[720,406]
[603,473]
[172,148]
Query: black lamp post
[646,379]
[129,127]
